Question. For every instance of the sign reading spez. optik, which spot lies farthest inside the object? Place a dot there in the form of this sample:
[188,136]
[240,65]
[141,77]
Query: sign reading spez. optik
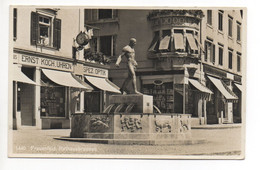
[92,71]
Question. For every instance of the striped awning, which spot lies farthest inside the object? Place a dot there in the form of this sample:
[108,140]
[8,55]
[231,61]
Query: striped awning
[19,76]
[223,90]
[64,79]
[200,86]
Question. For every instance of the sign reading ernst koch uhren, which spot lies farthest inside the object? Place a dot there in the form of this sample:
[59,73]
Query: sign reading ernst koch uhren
[43,62]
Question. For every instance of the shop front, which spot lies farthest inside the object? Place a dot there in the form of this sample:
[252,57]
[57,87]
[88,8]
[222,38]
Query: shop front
[96,101]
[220,107]
[43,91]
[177,93]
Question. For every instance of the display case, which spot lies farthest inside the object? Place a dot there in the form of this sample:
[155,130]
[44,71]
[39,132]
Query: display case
[163,95]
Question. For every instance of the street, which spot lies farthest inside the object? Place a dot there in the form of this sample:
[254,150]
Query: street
[220,141]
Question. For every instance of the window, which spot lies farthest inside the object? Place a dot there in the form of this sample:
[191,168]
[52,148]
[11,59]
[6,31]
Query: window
[220,20]
[230,58]
[53,98]
[209,17]
[15,24]
[209,51]
[104,13]
[45,30]
[238,62]
[220,55]
[106,45]
[238,31]
[230,25]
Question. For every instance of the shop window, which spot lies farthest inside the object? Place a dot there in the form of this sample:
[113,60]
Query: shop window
[104,13]
[220,55]
[162,94]
[209,17]
[238,31]
[52,98]
[14,24]
[220,20]
[210,51]
[238,62]
[230,26]
[230,58]
[45,30]
[92,102]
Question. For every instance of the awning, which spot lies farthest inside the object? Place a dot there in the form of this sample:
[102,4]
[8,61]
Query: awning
[153,44]
[200,86]
[19,76]
[191,41]
[82,82]
[224,90]
[102,83]
[178,41]
[63,78]
[200,45]
[164,43]
[239,86]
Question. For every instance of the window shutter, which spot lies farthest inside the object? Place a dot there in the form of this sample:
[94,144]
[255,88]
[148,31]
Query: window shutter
[206,52]
[34,28]
[213,54]
[57,33]
[115,13]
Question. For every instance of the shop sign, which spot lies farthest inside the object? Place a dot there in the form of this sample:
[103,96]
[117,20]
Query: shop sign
[43,62]
[92,71]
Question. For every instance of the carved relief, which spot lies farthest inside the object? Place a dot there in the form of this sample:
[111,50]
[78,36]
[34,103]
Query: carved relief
[184,125]
[131,124]
[160,125]
[99,124]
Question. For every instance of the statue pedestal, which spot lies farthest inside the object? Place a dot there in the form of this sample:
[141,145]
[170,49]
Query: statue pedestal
[136,125]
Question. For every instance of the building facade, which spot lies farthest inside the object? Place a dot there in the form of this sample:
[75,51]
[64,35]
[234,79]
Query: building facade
[188,60]
[51,77]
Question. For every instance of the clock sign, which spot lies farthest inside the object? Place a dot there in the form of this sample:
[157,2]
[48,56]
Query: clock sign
[82,38]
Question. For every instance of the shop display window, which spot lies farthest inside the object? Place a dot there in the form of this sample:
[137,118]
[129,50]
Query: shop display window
[163,97]
[52,99]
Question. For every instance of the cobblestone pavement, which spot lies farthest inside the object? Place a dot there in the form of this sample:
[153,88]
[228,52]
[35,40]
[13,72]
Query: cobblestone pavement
[41,142]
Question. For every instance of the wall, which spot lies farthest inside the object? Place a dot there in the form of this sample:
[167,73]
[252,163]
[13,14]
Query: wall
[222,37]
[70,27]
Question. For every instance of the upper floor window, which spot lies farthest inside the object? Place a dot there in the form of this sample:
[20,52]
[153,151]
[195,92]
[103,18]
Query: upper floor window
[238,31]
[230,58]
[220,20]
[220,55]
[104,44]
[230,26]
[209,51]
[209,17]
[15,24]
[45,30]
[104,13]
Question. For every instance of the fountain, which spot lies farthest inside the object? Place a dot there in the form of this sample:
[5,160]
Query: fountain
[130,119]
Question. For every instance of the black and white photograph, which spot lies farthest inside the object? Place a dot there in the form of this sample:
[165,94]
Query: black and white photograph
[127,82]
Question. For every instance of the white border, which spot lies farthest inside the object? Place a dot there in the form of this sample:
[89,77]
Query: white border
[253,60]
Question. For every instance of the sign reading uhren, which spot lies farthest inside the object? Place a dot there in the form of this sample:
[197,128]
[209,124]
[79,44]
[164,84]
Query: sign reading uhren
[43,62]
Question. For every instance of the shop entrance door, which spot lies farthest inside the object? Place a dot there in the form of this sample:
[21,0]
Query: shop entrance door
[27,104]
